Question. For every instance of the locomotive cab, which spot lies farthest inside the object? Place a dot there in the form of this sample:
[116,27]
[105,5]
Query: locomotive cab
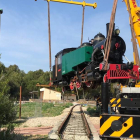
[57,68]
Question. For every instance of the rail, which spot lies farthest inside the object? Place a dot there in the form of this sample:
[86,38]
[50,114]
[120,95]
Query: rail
[88,131]
[62,126]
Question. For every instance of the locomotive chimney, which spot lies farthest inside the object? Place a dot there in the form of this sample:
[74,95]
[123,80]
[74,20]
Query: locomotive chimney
[107,29]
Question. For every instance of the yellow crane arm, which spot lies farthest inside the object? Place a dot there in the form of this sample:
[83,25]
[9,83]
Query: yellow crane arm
[94,5]
[135,13]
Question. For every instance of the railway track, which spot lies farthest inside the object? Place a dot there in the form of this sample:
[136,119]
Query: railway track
[75,126]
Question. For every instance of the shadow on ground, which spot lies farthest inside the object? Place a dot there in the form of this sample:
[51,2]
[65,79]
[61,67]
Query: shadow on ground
[36,137]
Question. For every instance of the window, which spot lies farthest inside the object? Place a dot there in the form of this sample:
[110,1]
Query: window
[59,58]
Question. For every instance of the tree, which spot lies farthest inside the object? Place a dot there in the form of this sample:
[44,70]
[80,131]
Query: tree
[7,108]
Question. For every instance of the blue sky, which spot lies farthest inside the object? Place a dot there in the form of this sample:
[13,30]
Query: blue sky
[24,29]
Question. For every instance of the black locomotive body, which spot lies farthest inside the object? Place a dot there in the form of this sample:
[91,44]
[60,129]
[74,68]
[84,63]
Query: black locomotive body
[86,72]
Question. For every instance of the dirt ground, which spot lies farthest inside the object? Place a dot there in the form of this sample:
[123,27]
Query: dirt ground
[33,130]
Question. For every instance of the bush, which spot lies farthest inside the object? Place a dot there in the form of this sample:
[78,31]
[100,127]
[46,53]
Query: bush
[93,111]
[67,105]
[7,110]
[8,134]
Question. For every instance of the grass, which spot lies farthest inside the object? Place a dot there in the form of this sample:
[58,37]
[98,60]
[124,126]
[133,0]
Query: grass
[54,110]
[46,109]
[27,110]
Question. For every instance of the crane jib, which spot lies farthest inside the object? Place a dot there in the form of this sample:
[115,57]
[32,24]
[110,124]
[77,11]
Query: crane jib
[134,3]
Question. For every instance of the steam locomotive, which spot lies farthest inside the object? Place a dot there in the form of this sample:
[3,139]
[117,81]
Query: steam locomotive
[79,67]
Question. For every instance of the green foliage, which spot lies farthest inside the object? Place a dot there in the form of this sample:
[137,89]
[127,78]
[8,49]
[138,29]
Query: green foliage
[47,109]
[8,134]
[7,110]
[58,89]
[13,78]
[67,105]
[27,110]
[56,110]
[7,107]
[93,111]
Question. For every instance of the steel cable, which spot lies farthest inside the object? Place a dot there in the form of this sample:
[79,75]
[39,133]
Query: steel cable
[49,33]
[109,35]
[82,24]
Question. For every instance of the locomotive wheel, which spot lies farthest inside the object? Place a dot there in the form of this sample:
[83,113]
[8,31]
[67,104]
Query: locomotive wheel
[78,85]
[63,90]
[94,85]
[88,84]
[71,86]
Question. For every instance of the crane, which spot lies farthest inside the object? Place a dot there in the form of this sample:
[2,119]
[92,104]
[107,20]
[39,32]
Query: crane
[135,13]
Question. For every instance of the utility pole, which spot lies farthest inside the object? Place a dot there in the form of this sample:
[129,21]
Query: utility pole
[20,103]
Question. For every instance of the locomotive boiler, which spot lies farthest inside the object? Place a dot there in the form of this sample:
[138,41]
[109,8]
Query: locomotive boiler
[79,67]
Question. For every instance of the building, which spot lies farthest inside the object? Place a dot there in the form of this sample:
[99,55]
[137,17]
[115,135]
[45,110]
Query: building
[33,94]
[47,94]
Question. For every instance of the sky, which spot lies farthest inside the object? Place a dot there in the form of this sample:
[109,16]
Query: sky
[24,29]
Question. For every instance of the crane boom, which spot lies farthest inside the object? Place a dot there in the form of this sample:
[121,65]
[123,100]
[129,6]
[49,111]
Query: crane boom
[135,13]
[94,5]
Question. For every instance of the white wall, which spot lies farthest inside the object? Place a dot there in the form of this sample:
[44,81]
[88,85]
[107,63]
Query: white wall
[51,95]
